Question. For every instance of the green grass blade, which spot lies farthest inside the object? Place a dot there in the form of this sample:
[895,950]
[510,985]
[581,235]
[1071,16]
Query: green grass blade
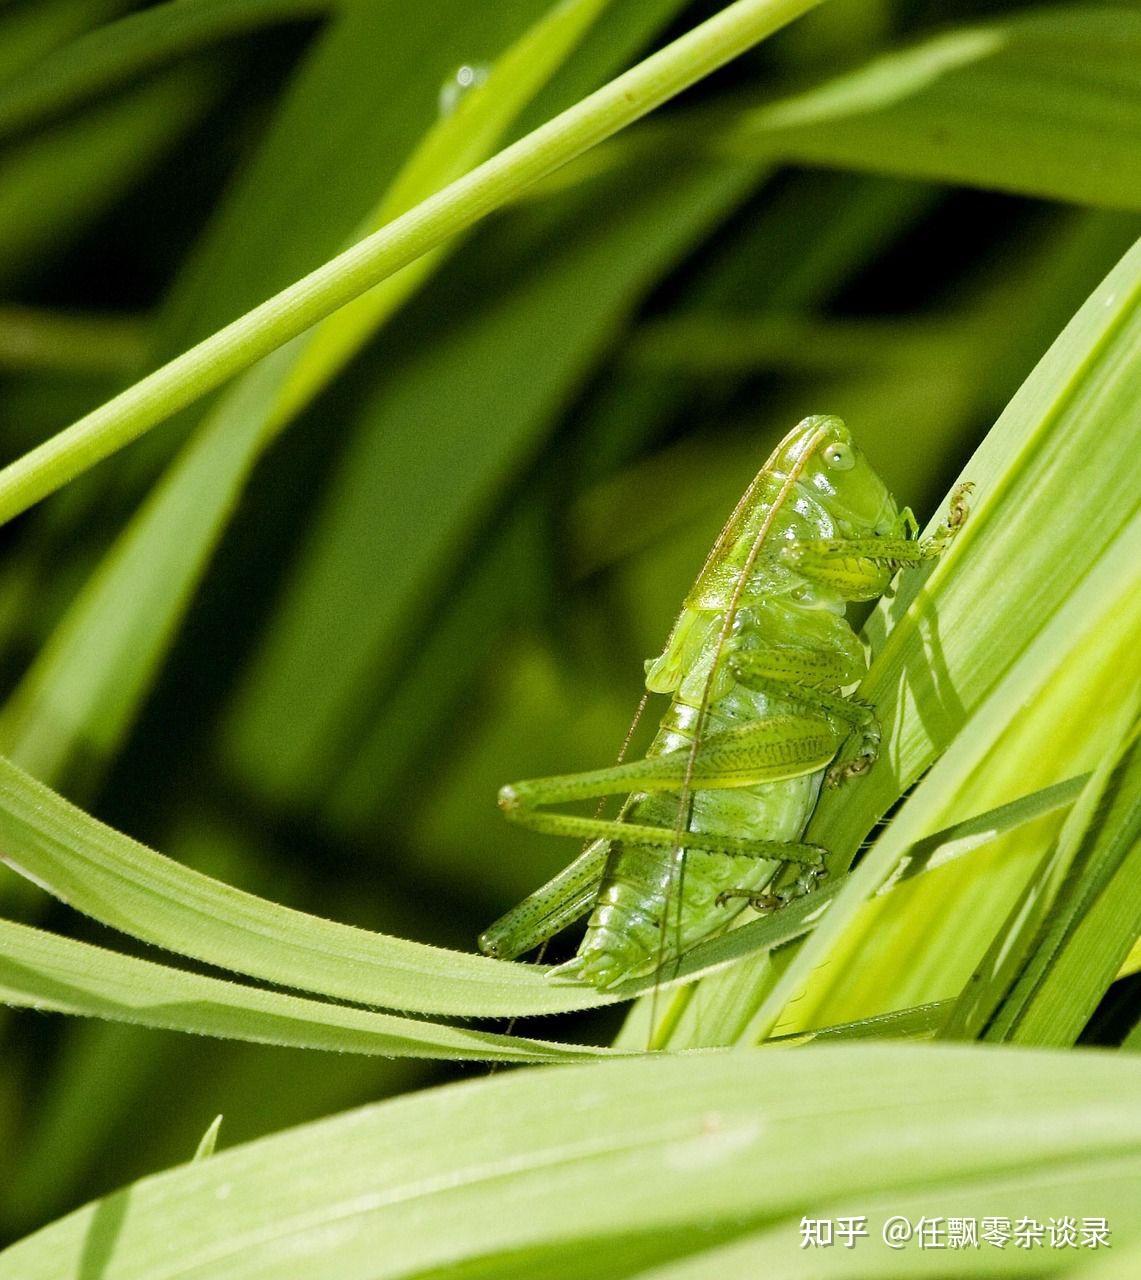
[332,147]
[1100,948]
[130,887]
[454,145]
[615,41]
[1074,924]
[621,1163]
[920,1023]
[458,206]
[39,970]
[1087,614]
[1045,103]
[114,54]
[84,689]
[208,1142]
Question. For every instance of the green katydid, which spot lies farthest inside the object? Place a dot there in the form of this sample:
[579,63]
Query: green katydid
[756,667]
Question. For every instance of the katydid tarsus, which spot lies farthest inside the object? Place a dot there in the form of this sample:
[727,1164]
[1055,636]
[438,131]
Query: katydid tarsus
[760,669]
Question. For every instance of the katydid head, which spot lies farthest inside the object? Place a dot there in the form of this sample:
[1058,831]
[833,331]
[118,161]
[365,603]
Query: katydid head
[832,465]
[815,484]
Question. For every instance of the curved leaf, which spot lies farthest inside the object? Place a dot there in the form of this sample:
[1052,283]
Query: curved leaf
[39,970]
[615,1167]
[130,887]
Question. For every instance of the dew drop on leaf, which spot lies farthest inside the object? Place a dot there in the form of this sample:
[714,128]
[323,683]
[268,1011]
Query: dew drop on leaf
[467,77]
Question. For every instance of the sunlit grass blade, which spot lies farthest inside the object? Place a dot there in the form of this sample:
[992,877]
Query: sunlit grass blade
[125,885]
[635,1158]
[1090,613]
[1075,922]
[130,887]
[209,1140]
[39,970]
[1061,1008]
[113,54]
[920,1023]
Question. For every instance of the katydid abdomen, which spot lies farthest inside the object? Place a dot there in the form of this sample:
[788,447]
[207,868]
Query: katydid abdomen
[625,932]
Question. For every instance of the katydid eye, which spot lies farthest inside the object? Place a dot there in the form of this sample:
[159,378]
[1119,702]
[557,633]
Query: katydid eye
[839,457]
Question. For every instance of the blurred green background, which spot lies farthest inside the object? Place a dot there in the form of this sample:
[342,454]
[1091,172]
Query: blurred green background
[447,572]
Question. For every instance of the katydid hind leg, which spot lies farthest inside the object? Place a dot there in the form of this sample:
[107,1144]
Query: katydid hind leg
[772,749]
[560,902]
[783,746]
